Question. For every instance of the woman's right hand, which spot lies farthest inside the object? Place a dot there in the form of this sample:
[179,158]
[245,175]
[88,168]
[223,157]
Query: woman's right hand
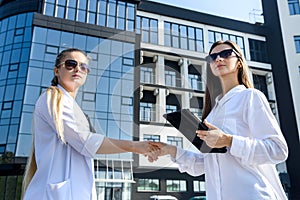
[165,149]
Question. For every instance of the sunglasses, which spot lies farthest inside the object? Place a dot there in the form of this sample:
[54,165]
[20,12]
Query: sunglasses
[223,54]
[72,64]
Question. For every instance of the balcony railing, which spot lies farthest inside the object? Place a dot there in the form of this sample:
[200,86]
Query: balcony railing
[113,170]
[147,115]
[150,79]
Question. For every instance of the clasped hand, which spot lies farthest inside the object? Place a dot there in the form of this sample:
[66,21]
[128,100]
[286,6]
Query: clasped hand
[214,137]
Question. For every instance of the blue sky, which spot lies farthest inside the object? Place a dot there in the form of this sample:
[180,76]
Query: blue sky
[234,9]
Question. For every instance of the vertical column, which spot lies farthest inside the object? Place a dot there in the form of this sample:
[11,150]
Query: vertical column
[160,31]
[161,92]
[185,98]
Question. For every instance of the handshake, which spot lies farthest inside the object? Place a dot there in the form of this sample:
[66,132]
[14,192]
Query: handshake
[154,149]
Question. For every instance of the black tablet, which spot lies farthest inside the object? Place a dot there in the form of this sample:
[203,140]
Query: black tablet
[187,123]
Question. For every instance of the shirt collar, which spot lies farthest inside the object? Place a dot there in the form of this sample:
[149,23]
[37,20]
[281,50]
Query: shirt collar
[222,99]
[64,91]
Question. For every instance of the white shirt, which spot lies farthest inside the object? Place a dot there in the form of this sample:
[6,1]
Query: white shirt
[64,171]
[247,171]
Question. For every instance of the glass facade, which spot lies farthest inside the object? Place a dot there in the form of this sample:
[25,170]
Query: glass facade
[109,13]
[15,43]
[107,96]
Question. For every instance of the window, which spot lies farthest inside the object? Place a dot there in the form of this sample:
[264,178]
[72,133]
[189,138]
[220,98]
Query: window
[170,77]
[214,36]
[7,105]
[2,148]
[113,14]
[297,43]
[273,108]
[176,141]
[147,106]
[173,103]
[196,106]
[148,185]
[176,185]
[147,75]
[14,67]
[154,138]
[294,7]
[195,77]
[258,50]
[148,28]
[88,96]
[199,186]
[261,84]
[171,108]
[147,111]
[197,112]
[183,37]
[195,82]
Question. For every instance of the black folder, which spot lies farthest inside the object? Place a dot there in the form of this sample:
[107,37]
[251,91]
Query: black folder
[187,123]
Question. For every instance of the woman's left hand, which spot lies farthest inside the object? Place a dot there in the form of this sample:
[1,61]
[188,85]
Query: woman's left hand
[148,149]
[214,137]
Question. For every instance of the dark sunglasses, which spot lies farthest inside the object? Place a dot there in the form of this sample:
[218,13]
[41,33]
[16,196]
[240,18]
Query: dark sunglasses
[223,54]
[72,64]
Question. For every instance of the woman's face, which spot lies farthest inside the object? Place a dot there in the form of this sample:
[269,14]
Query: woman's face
[224,66]
[71,72]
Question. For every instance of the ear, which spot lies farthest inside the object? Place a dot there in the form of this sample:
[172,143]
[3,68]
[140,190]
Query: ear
[55,71]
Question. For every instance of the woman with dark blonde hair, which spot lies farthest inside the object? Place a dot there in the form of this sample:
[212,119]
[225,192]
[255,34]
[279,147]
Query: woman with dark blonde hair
[239,118]
[64,143]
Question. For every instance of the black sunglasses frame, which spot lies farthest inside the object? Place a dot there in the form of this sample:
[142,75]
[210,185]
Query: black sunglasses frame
[223,54]
[72,64]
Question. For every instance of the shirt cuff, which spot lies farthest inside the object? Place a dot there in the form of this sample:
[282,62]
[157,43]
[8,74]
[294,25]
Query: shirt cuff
[92,144]
[179,153]
[237,146]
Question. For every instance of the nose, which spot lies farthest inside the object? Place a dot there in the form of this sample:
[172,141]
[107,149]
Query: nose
[218,58]
[76,69]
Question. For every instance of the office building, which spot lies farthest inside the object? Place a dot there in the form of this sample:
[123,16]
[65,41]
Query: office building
[147,59]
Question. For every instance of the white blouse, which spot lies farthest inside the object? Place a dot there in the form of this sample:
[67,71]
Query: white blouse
[64,171]
[247,171]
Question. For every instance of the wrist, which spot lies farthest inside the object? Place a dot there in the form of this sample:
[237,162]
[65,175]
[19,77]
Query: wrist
[172,150]
[132,147]
[229,140]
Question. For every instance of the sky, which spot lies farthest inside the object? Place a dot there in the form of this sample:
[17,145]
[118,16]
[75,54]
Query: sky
[242,10]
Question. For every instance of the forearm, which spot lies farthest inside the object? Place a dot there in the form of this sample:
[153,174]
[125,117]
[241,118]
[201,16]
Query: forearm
[111,146]
[171,150]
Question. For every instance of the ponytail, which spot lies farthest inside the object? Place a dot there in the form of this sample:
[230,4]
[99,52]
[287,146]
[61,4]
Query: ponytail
[54,99]
[30,170]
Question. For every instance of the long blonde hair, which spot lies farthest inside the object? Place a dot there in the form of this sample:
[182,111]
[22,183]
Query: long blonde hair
[54,99]
[213,84]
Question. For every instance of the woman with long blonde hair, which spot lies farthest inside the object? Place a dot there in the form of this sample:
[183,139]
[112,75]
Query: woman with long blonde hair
[64,144]
[239,118]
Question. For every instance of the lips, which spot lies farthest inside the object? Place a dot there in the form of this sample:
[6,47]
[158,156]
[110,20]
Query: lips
[76,76]
[219,66]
